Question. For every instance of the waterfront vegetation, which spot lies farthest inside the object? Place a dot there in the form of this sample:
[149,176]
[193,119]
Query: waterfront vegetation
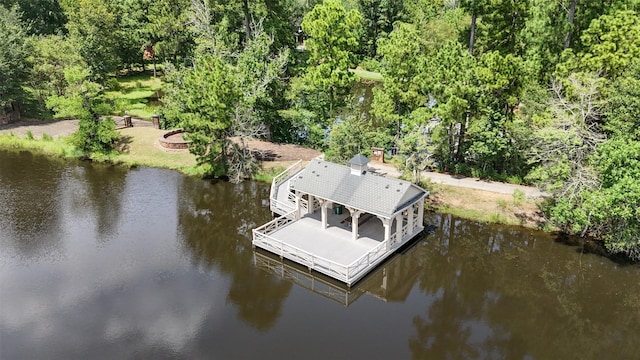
[540,92]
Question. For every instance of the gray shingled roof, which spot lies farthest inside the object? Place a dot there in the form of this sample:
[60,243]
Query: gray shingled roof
[368,192]
[359,160]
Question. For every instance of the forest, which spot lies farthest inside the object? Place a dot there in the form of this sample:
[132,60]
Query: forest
[543,92]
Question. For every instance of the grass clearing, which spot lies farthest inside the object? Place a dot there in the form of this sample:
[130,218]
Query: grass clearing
[485,206]
[367,75]
[139,147]
[137,95]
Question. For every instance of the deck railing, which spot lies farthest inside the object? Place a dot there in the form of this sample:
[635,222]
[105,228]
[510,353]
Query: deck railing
[283,176]
[277,223]
[263,239]
[300,256]
[282,207]
[365,261]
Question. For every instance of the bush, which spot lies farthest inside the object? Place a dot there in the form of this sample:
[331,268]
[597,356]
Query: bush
[95,136]
[370,65]
[113,84]
[518,197]
[29,135]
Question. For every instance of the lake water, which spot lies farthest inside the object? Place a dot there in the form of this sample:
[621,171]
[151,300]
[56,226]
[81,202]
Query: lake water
[102,262]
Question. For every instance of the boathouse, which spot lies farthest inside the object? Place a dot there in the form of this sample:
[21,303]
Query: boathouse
[341,221]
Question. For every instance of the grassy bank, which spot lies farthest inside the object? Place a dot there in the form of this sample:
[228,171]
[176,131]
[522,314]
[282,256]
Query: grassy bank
[137,147]
[486,206]
[45,145]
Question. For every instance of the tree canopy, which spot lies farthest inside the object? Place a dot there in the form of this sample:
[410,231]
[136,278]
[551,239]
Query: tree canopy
[541,91]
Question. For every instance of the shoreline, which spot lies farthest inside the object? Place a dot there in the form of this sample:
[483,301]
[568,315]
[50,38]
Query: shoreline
[470,204]
[139,147]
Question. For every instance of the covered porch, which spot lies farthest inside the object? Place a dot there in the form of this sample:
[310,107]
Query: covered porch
[344,245]
[340,221]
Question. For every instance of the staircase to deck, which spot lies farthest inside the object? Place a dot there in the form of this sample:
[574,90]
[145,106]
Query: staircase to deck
[281,199]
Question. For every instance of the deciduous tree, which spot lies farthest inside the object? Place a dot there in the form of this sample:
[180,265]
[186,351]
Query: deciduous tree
[15,49]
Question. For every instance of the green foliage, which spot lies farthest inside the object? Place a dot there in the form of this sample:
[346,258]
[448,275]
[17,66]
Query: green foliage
[496,218]
[218,99]
[615,208]
[402,62]
[333,39]
[93,26]
[43,16]
[203,108]
[95,135]
[518,197]
[610,44]
[267,175]
[166,28]
[623,108]
[84,100]
[378,19]
[15,49]
[502,21]
[29,135]
[348,138]
[50,57]
[113,84]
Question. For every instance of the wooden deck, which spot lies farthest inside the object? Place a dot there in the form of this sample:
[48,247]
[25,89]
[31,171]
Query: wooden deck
[333,243]
[331,251]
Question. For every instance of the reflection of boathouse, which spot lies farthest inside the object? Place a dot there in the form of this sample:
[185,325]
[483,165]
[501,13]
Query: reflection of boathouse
[392,281]
[340,221]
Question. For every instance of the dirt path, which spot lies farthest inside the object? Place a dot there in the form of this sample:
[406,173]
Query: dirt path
[464,182]
[53,128]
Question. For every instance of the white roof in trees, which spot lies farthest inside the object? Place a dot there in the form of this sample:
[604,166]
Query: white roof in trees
[371,193]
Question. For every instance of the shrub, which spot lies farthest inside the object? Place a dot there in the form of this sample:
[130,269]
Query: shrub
[518,197]
[114,85]
[95,136]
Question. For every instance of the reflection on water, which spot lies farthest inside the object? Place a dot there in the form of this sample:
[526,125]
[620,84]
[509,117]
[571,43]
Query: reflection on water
[101,262]
[219,237]
[391,281]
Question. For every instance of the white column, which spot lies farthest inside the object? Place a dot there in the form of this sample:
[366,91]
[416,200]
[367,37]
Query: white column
[399,227]
[421,213]
[410,219]
[355,214]
[310,205]
[386,223]
[298,208]
[323,209]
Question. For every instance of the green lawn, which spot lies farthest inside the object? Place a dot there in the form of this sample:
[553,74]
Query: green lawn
[136,95]
[139,147]
[367,75]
